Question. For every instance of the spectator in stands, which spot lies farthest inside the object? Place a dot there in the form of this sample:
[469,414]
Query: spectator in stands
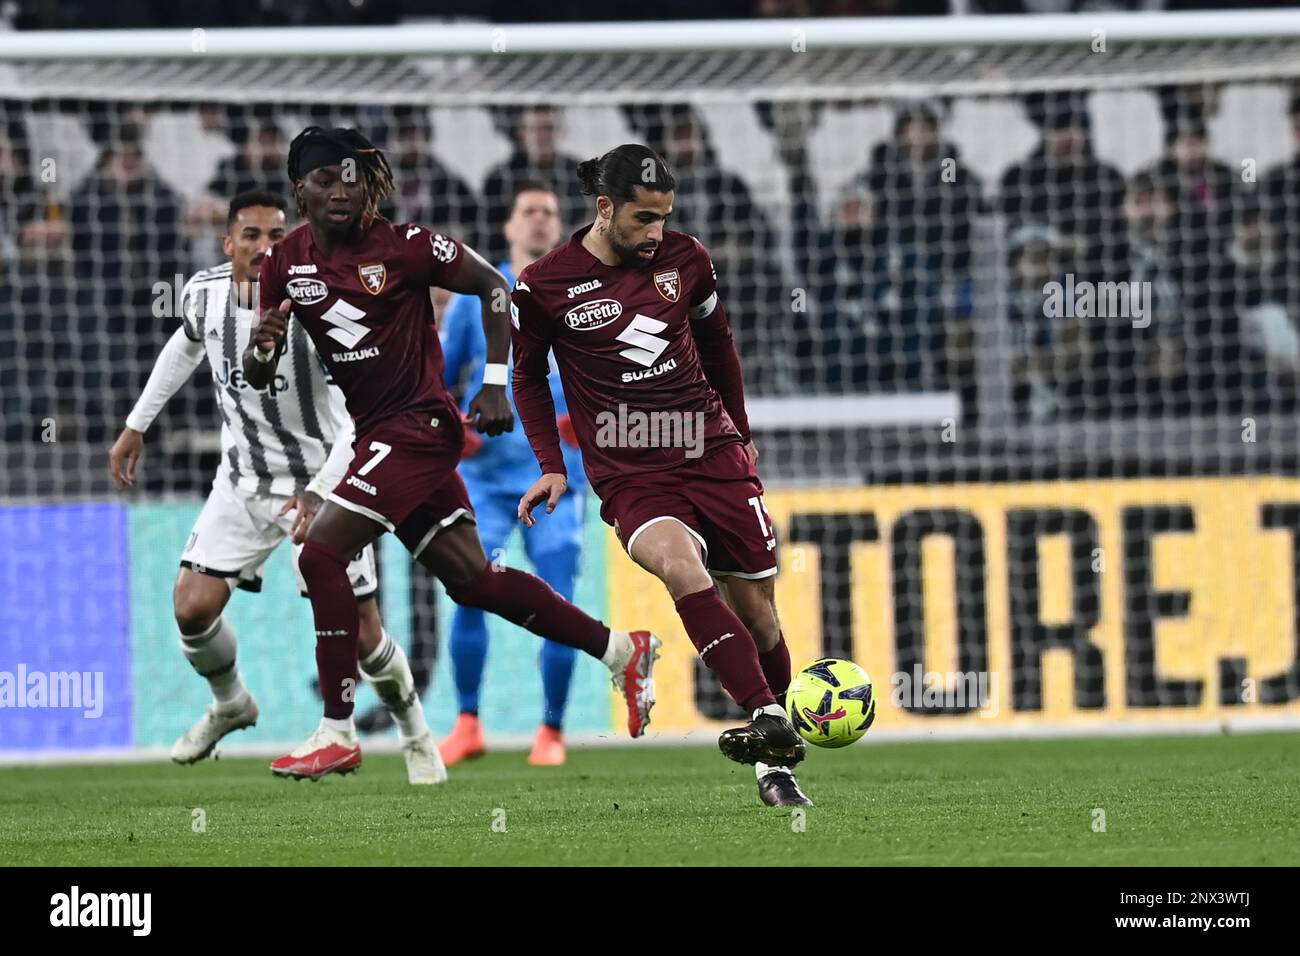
[125,238]
[1062,184]
[1203,335]
[925,195]
[1280,189]
[33,287]
[1246,347]
[791,126]
[1134,364]
[18,198]
[923,200]
[1201,189]
[535,134]
[259,162]
[1044,347]
[124,217]
[1151,217]
[841,349]
[878,319]
[427,192]
[717,207]
[31,221]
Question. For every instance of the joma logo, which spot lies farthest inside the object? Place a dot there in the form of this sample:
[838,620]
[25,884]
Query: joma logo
[577,290]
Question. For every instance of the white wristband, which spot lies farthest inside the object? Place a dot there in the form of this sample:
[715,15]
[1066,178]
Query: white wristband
[494,373]
[263,357]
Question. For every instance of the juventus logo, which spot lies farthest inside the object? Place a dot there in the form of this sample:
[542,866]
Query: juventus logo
[646,345]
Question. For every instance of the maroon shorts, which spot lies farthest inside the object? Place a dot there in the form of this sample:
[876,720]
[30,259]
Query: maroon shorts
[720,501]
[403,475]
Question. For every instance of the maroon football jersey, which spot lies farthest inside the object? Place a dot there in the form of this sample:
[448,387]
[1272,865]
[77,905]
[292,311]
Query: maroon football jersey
[637,393]
[367,308]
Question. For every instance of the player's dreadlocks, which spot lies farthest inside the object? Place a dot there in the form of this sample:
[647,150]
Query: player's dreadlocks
[316,146]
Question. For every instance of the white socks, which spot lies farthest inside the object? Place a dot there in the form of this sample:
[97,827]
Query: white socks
[389,672]
[342,725]
[761,768]
[212,654]
[619,651]
[776,710]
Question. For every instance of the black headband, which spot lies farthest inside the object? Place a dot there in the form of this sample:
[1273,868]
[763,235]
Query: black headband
[323,152]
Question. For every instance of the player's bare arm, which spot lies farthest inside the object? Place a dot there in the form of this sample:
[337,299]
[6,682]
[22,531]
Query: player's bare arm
[124,456]
[548,488]
[490,410]
[265,345]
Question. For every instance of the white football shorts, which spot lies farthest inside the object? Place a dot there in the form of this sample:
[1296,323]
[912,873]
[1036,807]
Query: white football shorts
[235,534]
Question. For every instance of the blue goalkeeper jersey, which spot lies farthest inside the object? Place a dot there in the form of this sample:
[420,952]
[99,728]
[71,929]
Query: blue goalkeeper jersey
[506,462]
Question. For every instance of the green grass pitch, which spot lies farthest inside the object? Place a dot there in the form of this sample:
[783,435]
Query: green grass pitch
[1224,800]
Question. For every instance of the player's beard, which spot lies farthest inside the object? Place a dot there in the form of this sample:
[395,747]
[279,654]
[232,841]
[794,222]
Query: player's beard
[622,247]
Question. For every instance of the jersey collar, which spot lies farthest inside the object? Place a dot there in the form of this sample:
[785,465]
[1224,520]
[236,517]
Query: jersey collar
[583,253]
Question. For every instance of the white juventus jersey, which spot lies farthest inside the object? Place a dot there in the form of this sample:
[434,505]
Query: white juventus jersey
[276,440]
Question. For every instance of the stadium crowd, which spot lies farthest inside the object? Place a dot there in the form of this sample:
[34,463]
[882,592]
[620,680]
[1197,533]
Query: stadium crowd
[887,284]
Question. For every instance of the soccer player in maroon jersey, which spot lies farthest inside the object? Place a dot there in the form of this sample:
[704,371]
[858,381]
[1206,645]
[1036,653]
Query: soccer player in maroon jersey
[360,287]
[631,312]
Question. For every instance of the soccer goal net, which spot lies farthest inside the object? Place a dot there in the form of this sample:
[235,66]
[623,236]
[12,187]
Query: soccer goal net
[1015,300]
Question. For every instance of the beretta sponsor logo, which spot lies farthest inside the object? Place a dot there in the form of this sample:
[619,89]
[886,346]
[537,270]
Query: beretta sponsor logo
[593,315]
[306,291]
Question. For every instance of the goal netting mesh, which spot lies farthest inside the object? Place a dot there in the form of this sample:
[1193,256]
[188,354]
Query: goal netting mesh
[1018,322]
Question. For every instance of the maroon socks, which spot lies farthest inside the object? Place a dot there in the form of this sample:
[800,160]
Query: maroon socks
[534,605]
[337,624]
[727,648]
[776,668]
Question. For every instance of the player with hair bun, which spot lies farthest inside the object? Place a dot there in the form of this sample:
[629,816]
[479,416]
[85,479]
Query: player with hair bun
[647,343]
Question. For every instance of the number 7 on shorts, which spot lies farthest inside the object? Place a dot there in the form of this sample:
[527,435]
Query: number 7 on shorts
[381,451]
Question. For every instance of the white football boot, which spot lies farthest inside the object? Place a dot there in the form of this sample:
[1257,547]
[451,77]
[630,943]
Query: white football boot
[199,741]
[423,762]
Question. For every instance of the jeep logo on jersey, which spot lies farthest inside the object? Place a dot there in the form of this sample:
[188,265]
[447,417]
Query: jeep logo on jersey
[373,277]
[306,291]
[593,315]
[444,248]
[232,376]
[669,285]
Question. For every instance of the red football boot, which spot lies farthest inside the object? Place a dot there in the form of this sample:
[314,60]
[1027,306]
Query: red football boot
[635,680]
[324,752]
